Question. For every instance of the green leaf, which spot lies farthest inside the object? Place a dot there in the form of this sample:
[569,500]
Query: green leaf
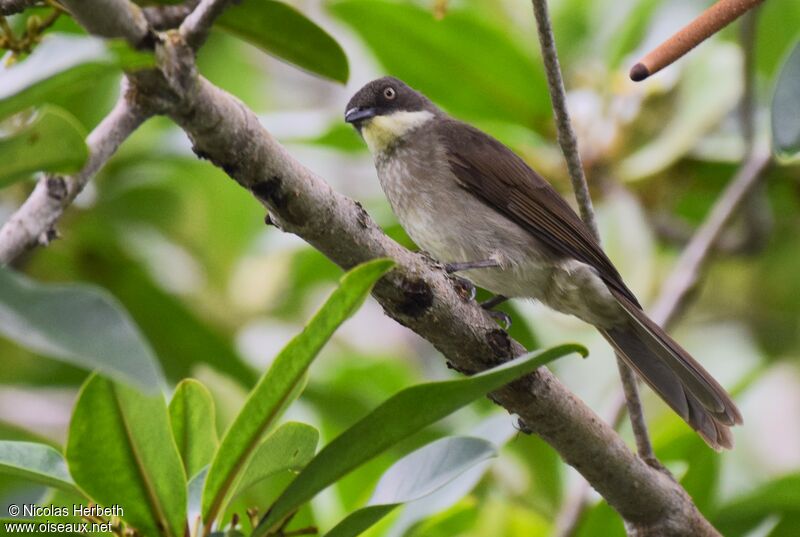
[35,462]
[59,64]
[120,451]
[399,417]
[778,29]
[779,497]
[281,30]
[79,324]
[52,142]
[191,414]
[415,476]
[290,447]
[281,382]
[785,107]
[461,62]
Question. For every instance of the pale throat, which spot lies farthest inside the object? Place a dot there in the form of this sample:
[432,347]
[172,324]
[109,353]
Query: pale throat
[381,132]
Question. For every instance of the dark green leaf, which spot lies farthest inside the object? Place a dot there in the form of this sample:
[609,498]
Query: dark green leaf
[52,142]
[415,476]
[281,30]
[79,324]
[786,107]
[121,452]
[462,62]
[192,416]
[58,64]
[282,382]
[396,419]
[35,462]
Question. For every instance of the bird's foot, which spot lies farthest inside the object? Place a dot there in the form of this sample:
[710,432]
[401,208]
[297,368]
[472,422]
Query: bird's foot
[464,287]
[499,316]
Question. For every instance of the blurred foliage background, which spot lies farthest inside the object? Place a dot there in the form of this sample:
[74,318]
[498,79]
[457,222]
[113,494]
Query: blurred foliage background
[217,293]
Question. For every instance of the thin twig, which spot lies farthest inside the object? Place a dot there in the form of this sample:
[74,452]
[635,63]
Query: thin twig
[112,18]
[196,27]
[686,274]
[32,223]
[707,24]
[569,146]
[166,17]
[12,7]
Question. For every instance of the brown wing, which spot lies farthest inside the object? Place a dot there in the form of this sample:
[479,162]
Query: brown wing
[496,175]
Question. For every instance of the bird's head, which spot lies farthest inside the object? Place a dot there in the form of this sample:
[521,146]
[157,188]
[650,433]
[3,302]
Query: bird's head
[387,109]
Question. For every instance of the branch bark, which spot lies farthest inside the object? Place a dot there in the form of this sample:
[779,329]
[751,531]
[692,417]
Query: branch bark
[198,24]
[569,147]
[33,222]
[112,18]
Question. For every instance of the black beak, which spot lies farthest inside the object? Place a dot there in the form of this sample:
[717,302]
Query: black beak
[354,115]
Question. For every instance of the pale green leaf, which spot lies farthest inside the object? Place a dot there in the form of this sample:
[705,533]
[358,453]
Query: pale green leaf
[79,324]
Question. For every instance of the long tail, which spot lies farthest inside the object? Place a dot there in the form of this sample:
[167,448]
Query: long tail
[677,377]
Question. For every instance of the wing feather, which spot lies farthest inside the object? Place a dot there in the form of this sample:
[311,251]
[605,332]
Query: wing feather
[496,175]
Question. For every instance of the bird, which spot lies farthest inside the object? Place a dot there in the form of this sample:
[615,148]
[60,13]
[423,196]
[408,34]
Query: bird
[473,205]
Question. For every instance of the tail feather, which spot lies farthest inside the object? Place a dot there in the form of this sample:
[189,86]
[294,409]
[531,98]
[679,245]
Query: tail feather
[680,380]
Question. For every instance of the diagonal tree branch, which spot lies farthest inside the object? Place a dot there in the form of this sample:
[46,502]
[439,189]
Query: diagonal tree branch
[32,223]
[112,18]
[196,27]
[569,146]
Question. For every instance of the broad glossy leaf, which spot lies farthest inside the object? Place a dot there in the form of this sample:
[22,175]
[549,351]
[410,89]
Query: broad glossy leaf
[35,462]
[462,62]
[396,419]
[281,383]
[174,329]
[60,63]
[415,476]
[52,142]
[192,417]
[290,448]
[121,452]
[786,107]
[498,429]
[283,31]
[80,324]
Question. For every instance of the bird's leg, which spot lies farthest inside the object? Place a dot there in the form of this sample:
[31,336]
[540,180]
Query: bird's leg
[467,265]
[499,316]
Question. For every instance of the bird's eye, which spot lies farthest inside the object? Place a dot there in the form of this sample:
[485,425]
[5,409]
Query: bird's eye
[389,93]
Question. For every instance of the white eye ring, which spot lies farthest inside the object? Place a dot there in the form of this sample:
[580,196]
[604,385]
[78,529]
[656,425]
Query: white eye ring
[389,93]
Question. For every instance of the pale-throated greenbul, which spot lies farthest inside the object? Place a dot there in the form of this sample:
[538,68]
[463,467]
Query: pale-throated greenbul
[475,206]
